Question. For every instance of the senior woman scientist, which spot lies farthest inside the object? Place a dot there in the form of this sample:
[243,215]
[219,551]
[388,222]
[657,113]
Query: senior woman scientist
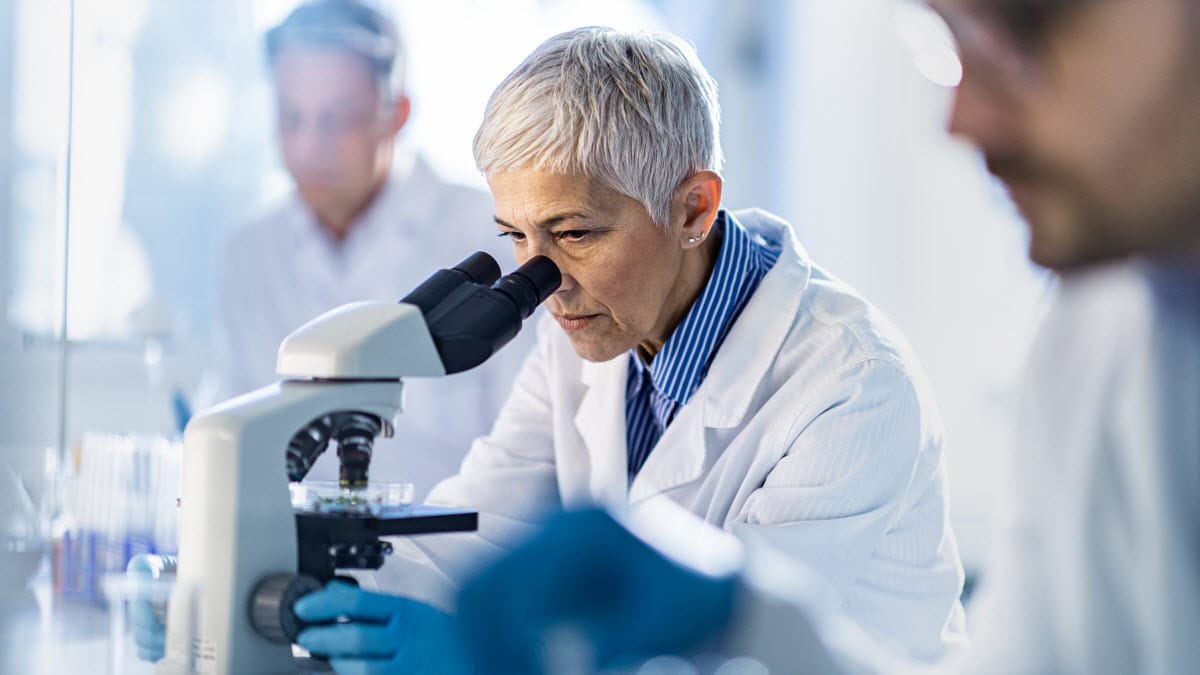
[690,354]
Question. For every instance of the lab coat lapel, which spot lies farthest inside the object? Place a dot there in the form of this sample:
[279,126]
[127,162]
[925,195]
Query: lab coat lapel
[677,458]
[743,360]
[600,421]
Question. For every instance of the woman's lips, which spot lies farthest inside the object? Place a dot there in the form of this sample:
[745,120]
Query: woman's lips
[572,322]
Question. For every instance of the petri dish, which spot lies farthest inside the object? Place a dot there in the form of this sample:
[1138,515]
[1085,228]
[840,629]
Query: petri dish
[329,497]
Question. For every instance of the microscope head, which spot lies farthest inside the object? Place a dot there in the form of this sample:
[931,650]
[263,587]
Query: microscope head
[455,320]
[468,320]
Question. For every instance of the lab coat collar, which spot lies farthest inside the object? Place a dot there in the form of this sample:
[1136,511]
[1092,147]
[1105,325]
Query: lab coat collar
[677,459]
[752,344]
[724,397]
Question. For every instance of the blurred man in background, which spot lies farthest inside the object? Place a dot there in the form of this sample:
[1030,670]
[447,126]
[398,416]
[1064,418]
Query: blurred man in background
[366,222]
[1089,112]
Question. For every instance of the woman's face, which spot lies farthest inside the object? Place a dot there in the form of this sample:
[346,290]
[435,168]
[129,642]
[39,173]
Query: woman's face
[624,281]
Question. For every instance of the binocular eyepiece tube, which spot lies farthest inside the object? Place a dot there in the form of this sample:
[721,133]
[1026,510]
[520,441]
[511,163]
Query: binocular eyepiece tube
[471,312]
[469,319]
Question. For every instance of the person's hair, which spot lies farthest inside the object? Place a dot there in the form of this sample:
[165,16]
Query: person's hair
[346,25]
[636,111]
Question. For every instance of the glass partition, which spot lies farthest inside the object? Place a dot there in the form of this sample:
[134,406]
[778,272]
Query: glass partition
[34,110]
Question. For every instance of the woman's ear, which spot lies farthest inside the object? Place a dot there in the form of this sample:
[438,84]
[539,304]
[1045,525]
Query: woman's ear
[699,199]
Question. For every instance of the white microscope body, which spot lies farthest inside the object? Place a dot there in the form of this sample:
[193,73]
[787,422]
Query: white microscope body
[237,525]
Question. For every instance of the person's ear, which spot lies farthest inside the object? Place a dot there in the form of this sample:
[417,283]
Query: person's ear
[400,112]
[696,205]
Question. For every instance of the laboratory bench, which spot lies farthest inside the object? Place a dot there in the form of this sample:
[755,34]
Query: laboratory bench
[43,633]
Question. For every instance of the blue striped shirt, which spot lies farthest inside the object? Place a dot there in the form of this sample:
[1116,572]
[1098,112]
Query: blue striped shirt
[655,393]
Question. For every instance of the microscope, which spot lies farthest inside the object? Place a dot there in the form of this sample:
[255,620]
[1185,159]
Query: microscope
[245,552]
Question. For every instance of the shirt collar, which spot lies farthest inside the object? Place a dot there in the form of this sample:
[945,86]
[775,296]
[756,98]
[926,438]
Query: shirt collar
[742,261]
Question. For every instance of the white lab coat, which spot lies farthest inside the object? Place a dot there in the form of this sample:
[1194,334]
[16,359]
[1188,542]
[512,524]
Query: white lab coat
[1098,564]
[282,270]
[1099,569]
[814,429]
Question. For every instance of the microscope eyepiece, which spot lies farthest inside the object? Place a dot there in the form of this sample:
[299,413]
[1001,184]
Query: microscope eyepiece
[477,268]
[469,317]
[480,267]
[530,284]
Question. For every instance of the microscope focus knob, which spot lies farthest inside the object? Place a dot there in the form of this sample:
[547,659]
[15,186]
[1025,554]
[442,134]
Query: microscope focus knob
[271,605]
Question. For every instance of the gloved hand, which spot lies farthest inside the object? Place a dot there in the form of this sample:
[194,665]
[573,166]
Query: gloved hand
[586,572]
[378,633]
[149,633]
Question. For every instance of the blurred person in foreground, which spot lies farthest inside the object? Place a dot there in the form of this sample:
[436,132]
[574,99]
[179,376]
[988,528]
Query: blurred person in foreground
[368,220]
[694,357]
[1089,112]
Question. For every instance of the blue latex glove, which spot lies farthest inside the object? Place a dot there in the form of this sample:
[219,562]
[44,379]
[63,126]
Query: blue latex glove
[586,571]
[379,634]
[149,633]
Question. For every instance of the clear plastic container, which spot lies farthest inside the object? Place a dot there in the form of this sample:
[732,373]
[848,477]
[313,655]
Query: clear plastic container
[329,497]
[21,542]
[121,591]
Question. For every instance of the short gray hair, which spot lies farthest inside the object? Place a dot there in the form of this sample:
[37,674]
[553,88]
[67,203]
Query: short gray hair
[637,111]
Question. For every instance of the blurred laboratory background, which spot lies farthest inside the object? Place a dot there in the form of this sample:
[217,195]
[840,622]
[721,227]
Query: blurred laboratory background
[135,135]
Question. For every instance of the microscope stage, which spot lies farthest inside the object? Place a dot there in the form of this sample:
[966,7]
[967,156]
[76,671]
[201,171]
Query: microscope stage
[397,521]
[332,541]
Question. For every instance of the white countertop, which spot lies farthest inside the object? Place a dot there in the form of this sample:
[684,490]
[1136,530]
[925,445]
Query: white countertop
[45,634]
